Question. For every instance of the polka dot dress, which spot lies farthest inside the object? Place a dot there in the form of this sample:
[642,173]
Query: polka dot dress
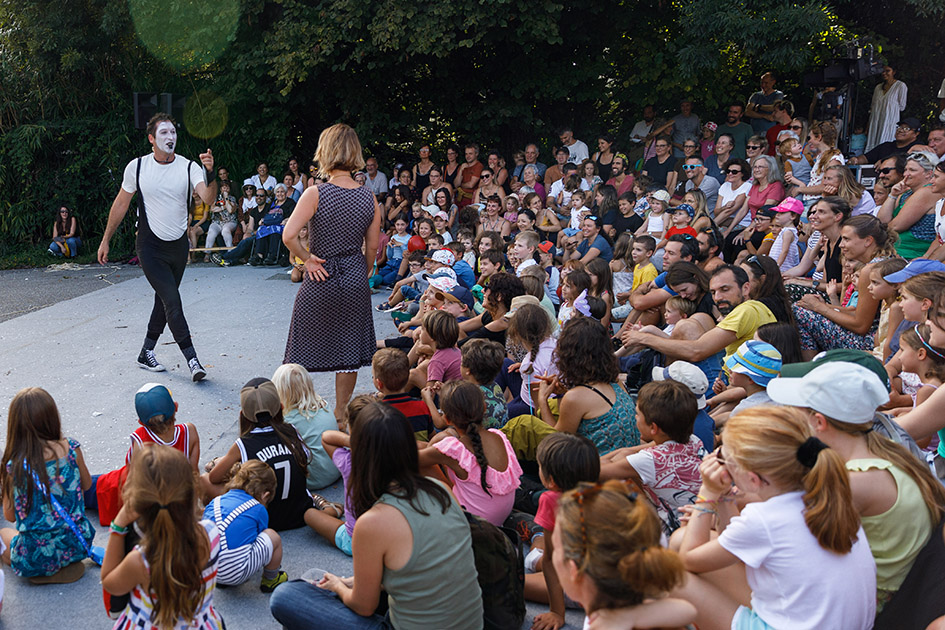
[332,325]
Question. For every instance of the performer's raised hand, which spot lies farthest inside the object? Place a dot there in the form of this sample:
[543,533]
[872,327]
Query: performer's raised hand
[207,160]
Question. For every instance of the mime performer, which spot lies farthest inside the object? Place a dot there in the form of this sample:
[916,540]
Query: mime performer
[165,183]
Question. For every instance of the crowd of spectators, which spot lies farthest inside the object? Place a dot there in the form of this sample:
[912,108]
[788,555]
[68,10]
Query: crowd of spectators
[741,322]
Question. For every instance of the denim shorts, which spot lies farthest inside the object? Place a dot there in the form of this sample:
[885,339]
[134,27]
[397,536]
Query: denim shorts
[747,619]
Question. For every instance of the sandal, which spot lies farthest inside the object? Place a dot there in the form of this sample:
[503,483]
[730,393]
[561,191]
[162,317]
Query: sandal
[383,307]
[322,504]
[66,575]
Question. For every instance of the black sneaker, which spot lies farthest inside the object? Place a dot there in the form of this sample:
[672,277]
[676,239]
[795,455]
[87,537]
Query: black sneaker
[147,361]
[217,259]
[196,370]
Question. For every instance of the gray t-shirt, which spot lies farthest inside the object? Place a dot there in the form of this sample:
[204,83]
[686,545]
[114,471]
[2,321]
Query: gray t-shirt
[760,125]
[684,127]
[758,398]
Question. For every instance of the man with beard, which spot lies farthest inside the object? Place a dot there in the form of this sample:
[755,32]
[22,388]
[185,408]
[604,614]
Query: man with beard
[649,297]
[742,316]
[164,183]
[738,130]
[708,258]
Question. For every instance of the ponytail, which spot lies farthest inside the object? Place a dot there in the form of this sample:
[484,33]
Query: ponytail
[777,444]
[161,489]
[830,514]
[885,238]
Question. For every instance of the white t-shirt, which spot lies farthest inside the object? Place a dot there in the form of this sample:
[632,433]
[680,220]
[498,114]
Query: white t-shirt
[795,582]
[939,221]
[727,194]
[578,152]
[544,365]
[166,192]
[269,184]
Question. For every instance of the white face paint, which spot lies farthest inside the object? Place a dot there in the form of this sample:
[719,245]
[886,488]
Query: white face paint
[165,137]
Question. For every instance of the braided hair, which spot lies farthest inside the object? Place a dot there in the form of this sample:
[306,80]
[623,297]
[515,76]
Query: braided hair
[464,405]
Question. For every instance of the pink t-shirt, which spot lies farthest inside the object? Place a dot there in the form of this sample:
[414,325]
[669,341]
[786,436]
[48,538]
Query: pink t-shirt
[547,506]
[497,507]
[444,365]
[756,196]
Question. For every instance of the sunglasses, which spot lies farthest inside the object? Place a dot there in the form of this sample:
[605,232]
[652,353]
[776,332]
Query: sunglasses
[486,175]
[734,171]
[753,147]
[887,170]
[796,127]
[690,167]
[753,260]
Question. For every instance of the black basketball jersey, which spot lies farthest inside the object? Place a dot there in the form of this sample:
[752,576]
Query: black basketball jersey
[291,498]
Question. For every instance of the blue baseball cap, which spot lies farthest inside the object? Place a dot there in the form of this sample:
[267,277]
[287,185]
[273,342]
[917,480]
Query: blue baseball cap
[459,295]
[685,207]
[154,399]
[914,268]
[757,360]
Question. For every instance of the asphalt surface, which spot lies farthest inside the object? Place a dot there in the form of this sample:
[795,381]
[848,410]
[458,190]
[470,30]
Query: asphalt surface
[76,332]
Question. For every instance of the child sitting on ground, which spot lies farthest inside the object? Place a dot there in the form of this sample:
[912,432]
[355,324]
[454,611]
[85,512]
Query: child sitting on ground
[297,264]
[338,445]
[439,333]
[246,542]
[265,436]
[531,328]
[667,471]
[43,476]
[489,264]
[482,360]
[574,286]
[171,576]
[611,557]
[309,414]
[390,370]
[564,461]
[480,462]
[157,413]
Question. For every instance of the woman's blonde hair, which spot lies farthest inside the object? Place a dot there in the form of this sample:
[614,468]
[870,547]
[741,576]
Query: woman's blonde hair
[613,538]
[162,490]
[339,149]
[767,441]
[295,389]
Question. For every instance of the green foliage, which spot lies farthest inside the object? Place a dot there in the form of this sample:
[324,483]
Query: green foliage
[264,77]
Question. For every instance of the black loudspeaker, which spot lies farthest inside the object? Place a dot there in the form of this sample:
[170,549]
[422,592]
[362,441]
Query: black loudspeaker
[147,104]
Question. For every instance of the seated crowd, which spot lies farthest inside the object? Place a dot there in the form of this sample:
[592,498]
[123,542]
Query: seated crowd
[684,374]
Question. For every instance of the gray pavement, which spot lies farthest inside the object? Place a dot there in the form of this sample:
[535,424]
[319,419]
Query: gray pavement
[77,335]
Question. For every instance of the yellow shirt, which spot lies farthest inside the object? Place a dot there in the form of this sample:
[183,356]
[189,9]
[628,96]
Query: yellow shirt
[744,320]
[199,210]
[646,273]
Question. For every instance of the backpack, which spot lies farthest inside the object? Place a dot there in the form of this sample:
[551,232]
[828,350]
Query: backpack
[500,569]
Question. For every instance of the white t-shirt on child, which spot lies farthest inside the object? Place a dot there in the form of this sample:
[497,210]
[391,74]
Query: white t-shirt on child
[795,582]
[576,218]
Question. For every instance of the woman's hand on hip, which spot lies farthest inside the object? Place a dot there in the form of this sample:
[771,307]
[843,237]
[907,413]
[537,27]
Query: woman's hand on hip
[315,269]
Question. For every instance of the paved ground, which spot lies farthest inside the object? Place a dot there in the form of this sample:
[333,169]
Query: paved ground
[77,334]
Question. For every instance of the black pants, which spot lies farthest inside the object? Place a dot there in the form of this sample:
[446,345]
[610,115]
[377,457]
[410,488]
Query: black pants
[163,264]
[270,247]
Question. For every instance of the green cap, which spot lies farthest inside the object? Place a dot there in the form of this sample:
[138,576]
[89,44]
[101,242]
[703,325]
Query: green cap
[867,360]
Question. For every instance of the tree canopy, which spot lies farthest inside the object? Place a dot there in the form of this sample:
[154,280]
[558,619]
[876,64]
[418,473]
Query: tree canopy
[263,77]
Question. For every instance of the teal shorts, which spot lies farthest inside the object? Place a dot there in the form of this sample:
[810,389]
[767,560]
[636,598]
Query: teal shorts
[343,539]
[747,619]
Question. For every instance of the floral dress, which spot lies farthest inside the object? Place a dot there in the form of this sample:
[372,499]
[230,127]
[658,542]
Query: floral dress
[45,544]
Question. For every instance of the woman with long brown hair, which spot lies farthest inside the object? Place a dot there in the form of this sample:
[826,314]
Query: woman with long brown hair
[410,539]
